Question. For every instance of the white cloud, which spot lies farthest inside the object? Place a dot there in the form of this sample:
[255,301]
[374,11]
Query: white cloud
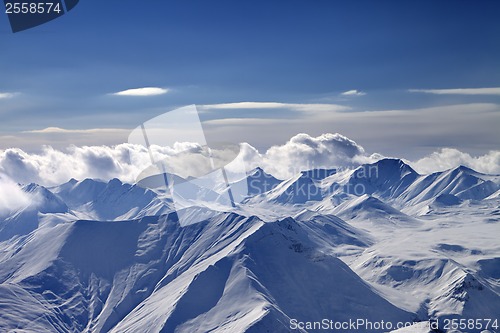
[303,152]
[52,167]
[353,92]
[60,138]
[304,107]
[244,105]
[448,158]
[410,133]
[58,130]
[319,107]
[7,95]
[12,196]
[244,121]
[459,91]
[146,91]
[126,161]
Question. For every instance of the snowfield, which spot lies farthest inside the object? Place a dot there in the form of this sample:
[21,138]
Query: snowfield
[378,243]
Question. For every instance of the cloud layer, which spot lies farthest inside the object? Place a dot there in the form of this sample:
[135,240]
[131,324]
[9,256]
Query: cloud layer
[303,107]
[127,161]
[448,158]
[409,133]
[459,91]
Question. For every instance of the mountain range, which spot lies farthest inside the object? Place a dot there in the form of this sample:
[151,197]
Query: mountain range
[378,242]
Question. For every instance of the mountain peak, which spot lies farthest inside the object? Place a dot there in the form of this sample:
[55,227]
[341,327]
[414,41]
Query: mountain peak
[388,177]
[44,200]
[465,169]
[115,182]
[296,190]
[30,187]
[394,163]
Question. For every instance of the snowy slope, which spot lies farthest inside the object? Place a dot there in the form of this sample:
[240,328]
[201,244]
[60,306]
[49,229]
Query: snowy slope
[126,276]
[95,256]
[461,182]
[297,190]
[257,182]
[106,201]
[441,268]
[388,178]
[370,209]
[75,193]
[26,219]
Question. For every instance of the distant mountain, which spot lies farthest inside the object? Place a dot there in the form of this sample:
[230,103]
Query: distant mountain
[319,174]
[371,209]
[75,193]
[44,200]
[26,220]
[255,183]
[332,230]
[296,190]
[105,201]
[126,200]
[462,182]
[388,178]
[397,183]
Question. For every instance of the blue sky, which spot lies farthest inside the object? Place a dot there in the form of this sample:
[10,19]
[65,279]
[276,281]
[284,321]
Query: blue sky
[63,74]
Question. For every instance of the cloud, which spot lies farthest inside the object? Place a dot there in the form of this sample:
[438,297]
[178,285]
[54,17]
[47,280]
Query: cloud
[6,95]
[58,130]
[304,107]
[311,111]
[52,167]
[244,105]
[12,197]
[127,161]
[303,152]
[353,92]
[459,91]
[62,138]
[146,91]
[408,133]
[245,121]
[447,158]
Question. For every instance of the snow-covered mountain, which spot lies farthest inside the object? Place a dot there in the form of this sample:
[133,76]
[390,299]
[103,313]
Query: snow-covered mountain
[105,201]
[296,190]
[380,242]
[257,182]
[25,220]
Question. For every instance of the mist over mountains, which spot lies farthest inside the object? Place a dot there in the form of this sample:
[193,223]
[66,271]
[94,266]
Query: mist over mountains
[378,242]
